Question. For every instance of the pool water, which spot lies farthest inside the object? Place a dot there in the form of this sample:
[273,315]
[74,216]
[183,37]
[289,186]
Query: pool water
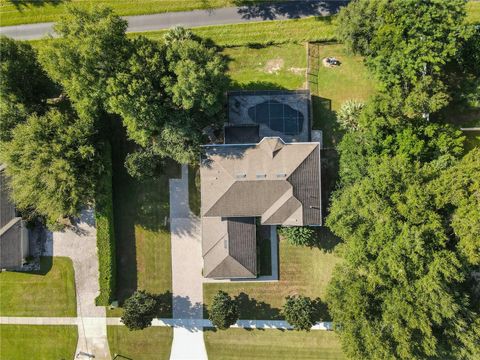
[277,116]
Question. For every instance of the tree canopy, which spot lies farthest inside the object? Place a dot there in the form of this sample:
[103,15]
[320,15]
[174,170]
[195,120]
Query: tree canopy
[51,165]
[300,311]
[224,311]
[139,310]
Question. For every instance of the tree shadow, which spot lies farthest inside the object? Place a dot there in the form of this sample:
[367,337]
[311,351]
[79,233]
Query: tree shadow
[164,309]
[185,309]
[325,119]
[269,10]
[325,239]
[20,5]
[253,309]
[321,311]
[46,264]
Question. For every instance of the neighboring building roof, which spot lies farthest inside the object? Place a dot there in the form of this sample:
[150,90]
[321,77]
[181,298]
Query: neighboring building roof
[232,251]
[12,229]
[7,208]
[242,134]
[11,244]
[275,181]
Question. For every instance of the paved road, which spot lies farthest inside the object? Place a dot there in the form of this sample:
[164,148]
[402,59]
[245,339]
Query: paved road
[260,12]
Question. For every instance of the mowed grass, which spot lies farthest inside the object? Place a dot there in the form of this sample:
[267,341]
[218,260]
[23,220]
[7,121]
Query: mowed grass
[39,342]
[25,12]
[272,344]
[48,292]
[141,211]
[473,12]
[263,33]
[303,271]
[335,85]
[268,68]
[153,343]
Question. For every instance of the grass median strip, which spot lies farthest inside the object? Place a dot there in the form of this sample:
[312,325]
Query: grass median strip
[48,292]
[39,342]
[272,344]
[147,344]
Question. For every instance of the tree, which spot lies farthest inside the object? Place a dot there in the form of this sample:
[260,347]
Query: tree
[91,48]
[459,187]
[349,113]
[12,113]
[175,89]
[139,310]
[299,235]
[21,76]
[224,311]
[408,45]
[300,311]
[52,165]
[400,293]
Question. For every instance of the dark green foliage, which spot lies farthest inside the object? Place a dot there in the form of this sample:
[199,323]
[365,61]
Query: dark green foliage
[408,45]
[142,164]
[93,44]
[175,90]
[21,76]
[300,312]
[12,113]
[224,311]
[139,310]
[299,235]
[52,165]
[459,187]
[105,231]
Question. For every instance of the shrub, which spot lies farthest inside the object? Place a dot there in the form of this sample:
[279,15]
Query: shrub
[139,310]
[105,232]
[349,113]
[224,311]
[299,235]
[300,312]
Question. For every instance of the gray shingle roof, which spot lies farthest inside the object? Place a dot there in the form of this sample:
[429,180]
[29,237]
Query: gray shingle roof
[7,208]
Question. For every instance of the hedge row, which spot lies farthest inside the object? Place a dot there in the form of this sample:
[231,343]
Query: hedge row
[105,232]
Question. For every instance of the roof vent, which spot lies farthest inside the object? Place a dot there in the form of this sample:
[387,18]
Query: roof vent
[241,176]
[261,176]
[281,175]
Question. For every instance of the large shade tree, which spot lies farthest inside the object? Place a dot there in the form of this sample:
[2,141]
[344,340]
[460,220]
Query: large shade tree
[51,165]
[408,45]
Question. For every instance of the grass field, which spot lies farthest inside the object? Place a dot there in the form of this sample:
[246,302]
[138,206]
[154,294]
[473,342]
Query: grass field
[38,342]
[272,344]
[149,344]
[302,271]
[49,292]
[268,68]
[13,12]
[264,33]
[141,210]
[333,86]
[473,12]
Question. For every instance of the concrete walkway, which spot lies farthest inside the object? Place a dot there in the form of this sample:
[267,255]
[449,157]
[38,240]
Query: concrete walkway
[187,280]
[79,244]
[176,323]
[247,13]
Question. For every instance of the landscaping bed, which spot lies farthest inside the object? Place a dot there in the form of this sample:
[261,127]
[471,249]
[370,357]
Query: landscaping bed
[48,292]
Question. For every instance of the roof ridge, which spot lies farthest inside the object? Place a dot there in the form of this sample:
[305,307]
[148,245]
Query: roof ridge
[282,199]
[225,258]
[215,244]
[300,205]
[9,225]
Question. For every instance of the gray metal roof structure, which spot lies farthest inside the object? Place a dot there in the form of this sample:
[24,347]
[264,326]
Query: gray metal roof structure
[13,233]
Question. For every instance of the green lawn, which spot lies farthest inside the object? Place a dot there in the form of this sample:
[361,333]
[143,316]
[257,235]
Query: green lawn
[194,200]
[333,86]
[473,12]
[141,210]
[264,33]
[39,342]
[272,344]
[268,68]
[302,271]
[153,343]
[33,11]
[49,292]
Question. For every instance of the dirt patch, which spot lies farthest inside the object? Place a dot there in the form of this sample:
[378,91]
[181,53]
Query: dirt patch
[297,71]
[274,66]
